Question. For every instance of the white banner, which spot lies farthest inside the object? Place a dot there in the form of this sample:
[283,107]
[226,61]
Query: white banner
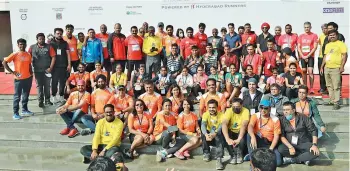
[32,17]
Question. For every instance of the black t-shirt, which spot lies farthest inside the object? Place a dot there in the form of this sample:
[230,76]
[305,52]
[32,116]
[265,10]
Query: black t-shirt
[291,78]
[263,41]
[246,78]
[61,60]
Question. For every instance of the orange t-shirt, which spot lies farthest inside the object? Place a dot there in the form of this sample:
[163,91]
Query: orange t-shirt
[168,41]
[159,127]
[175,105]
[134,45]
[104,39]
[72,43]
[153,102]
[120,103]
[22,62]
[76,76]
[99,98]
[94,74]
[303,108]
[267,127]
[141,124]
[161,34]
[219,97]
[187,122]
[75,98]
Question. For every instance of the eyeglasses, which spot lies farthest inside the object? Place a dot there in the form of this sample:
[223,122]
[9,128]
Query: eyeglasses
[139,105]
[199,70]
[264,108]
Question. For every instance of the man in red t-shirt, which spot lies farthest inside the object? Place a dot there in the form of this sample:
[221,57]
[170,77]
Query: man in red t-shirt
[252,59]
[133,44]
[288,40]
[248,37]
[202,38]
[187,43]
[103,36]
[269,58]
[116,47]
[307,45]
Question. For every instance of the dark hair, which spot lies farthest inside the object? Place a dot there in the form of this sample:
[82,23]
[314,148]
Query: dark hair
[213,66]
[169,26]
[117,158]
[82,64]
[288,25]
[91,29]
[174,45]
[213,101]
[69,26]
[134,112]
[240,27]
[270,41]
[57,29]
[200,65]
[181,108]
[304,87]
[108,105]
[210,79]
[236,99]
[251,66]
[307,23]
[288,103]
[21,41]
[264,159]
[185,67]
[275,68]
[102,164]
[103,77]
[170,91]
[251,46]
[335,25]
[189,29]
[227,46]
[148,82]
[167,100]
[209,44]
[133,27]
[276,86]
[178,31]
[80,33]
[292,64]
[201,25]
[230,24]
[40,35]
[247,24]
[165,67]
[194,47]
[333,31]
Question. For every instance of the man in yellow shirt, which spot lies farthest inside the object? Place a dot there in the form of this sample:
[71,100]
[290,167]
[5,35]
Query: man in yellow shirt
[211,133]
[333,64]
[107,138]
[152,47]
[234,128]
[320,57]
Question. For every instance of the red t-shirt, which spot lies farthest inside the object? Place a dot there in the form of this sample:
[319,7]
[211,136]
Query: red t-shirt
[186,44]
[134,45]
[306,42]
[270,62]
[119,48]
[228,60]
[202,38]
[249,38]
[104,39]
[255,61]
[287,40]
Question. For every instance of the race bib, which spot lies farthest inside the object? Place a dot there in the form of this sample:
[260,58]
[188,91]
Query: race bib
[295,140]
[59,52]
[305,49]
[268,66]
[135,48]
[137,87]
[104,44]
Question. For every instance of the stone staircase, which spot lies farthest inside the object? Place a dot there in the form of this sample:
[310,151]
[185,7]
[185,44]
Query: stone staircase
[34,143]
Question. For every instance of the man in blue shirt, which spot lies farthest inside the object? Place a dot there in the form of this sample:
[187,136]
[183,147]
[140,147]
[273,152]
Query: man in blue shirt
[233,40]
[92,52]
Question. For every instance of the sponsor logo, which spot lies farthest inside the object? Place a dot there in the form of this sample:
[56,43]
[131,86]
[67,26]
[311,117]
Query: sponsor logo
[205,6]
[133,7]
[333,10]
[24,16]
[95,10]
[58,16]
[330,2]
[132,13]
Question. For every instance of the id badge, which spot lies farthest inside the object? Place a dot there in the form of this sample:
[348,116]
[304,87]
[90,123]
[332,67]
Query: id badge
[227,69]
[72,49]
[104,44]
[273,111]
[294,140]
[162,91]
[137,87]
[184,91]
[252,111]
[172,68]
[268,66]
[135,48]
[59,52]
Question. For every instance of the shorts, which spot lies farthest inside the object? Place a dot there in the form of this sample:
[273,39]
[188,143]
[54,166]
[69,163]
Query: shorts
[310,63]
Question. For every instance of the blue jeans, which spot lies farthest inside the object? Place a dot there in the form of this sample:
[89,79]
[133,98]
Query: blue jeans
[78,116]
[263,144]
[22,89]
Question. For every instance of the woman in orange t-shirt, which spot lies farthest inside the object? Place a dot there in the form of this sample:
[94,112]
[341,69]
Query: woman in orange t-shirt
[95,73]
[164,119]
[189,129]
[176,97]
[140,126]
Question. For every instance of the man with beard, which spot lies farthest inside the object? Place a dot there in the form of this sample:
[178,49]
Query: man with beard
[248,38]
[73,79]
[202,38]
[133,44]
[263,38]
[216,41]
[73,43]
[288,40]
[62,65]
[169,39]
[107,138]
[187,43]
[103,36]
[43,61]
[211,94]
[116,47]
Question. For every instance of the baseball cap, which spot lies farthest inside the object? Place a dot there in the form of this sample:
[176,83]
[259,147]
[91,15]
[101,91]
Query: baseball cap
[160,24]
[252,80]
[265,103]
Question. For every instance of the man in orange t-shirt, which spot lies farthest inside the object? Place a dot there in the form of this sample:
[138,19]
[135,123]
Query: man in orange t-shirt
[72,43]
[23,78]
[152,99]
[211,94]
[133,44]
[116,47]
[103,36]
[75,77]
[76,109]
[169,39]
[264,130]
[202,39]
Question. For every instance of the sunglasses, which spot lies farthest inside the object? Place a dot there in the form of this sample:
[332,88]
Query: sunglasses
[139,105]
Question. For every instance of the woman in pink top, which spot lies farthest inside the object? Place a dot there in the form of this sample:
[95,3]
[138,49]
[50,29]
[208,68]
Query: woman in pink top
[199,80]
[275,78]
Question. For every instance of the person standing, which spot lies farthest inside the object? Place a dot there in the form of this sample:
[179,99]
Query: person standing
[233,41]
[333,64]
[288,40]
[248,38]
[216,41]
[161,34]
[116,47]
[307,45]
[322,37]
[278,31]
[263,38]
[187,43]
[43,61]
[133,43]
[152,47]
[202,38]
[23,78]
[169,40]
[62,65]
[72,43]
[92,52]
[103,36]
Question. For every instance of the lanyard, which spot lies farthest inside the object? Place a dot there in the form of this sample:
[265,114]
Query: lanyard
[183,82]
[80,97]
[251,60]
[117,79]
[176,102]
[140,121]
[303,108]
[270,56]
[262,126]
[80,77]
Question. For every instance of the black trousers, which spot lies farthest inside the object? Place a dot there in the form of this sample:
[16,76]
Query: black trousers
[75,65]
[322,79]
[90,67]
[196,89]
[86,150]
[133,65]
[242,145]
[217,142]
[42,86]
[59,75]
[302,152]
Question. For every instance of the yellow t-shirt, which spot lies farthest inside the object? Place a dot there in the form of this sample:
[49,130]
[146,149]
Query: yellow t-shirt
[333,53]
[321,40]
[108,133]
[149,42]
[235,120]
[118,80]
[212,121]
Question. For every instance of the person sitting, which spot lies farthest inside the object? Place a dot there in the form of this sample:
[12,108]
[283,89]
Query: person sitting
[218,76]
[248,75]
[119,161]
[252,97]
[98,71]
[234,128]
[211,133]
[118,78]
[99,99]
[107,137]
[164,132]
[297,145]
[163,81]
[140,126]
[199,80]
[263,159]
[102,164]
[176,98]
[211,94]
[293,81]
[193,61]
[276,79]
[76,106]
[233,82]
[189,130]
[137,81]
[71,83]
[276,99]
[307,106]
[185,81]
[264,130]
[152,99]
[175,62]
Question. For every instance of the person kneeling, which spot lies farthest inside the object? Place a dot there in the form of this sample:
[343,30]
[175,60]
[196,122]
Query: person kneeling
[107,138]
[211,133]
[296,146]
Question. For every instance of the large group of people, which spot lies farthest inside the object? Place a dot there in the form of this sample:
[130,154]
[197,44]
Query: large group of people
[252,90]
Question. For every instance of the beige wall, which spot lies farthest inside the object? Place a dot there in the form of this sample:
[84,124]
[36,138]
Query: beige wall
[5,34]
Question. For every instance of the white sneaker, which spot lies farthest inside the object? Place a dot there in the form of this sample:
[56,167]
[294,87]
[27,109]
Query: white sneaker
[62,99]
[55,99]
